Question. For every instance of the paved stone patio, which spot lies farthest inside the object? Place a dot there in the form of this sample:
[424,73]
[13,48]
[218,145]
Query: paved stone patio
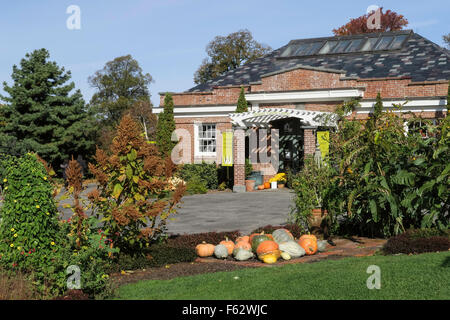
[227,211]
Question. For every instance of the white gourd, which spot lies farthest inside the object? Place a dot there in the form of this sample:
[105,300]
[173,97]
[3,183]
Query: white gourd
[292,248]
[321,245]
[241,254]
[220,251]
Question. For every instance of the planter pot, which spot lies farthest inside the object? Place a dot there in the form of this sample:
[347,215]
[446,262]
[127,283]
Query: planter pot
[281,185]
[316,218]
[266,185]
[273,185]
[249,185]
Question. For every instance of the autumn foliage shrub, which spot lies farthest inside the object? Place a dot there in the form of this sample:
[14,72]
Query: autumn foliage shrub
[133,197]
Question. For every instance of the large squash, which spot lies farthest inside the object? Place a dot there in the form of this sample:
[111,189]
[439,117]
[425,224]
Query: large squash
[256,240]
[282,235]
[292,248]
[266,247]
[309,243]
[270,257]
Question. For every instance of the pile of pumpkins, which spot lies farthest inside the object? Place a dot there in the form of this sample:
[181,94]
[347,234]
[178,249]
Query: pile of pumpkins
[267,247]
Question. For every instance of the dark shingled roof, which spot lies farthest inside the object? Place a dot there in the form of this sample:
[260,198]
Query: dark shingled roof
[418,58]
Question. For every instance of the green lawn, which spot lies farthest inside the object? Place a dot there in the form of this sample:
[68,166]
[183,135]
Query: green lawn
[424,276]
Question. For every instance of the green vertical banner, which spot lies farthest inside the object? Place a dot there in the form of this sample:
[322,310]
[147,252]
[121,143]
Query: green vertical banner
[227,149]
[323,137]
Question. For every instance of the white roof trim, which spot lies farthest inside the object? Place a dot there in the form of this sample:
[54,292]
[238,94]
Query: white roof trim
[304,96]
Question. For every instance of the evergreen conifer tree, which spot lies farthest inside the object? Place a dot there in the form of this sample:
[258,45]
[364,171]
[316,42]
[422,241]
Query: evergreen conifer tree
[165,127]
[242,102]
[41,114]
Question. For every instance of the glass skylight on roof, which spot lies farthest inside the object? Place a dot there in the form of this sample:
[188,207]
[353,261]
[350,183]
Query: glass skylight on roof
[329,45]
[398,41]
[340,47]
[370,43]
[361,43]
[383,43]
[354,45]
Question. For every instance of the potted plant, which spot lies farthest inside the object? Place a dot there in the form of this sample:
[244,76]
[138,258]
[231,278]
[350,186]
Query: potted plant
[249,183]
[310,186]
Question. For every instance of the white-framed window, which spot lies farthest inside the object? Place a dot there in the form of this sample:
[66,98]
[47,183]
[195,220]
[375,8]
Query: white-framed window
[205,139]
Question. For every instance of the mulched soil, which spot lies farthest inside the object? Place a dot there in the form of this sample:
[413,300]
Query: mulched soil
[356,247]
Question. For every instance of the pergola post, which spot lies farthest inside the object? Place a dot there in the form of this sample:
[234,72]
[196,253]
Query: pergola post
[239,160]
[309,137]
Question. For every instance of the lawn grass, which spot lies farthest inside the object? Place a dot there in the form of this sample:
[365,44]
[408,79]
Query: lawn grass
[424,276]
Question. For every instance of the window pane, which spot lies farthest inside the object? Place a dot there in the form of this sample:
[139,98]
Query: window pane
[370,42]
[398,41]
[314,46]
[301,49]
[354,45]
[289,51]
[340,47]
[329,45]
[384,42]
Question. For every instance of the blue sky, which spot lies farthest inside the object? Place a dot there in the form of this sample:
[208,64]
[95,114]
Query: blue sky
[168,37]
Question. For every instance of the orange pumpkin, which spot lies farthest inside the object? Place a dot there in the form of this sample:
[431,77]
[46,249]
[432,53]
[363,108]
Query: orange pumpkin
[228,244]
[266,185]
[243,238]
[266,247]
[204,249]
[309,243]
[243,244]
[261,187]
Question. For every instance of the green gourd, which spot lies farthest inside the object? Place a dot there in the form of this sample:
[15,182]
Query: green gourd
[257,240]
[220,251]
[282,235]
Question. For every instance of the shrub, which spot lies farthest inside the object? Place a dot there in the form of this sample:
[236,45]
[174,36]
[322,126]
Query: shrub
[192,240]
[196,186]
[418,241]
[384,181]
[133,195]
[206,172]
[155,256]
[29,215]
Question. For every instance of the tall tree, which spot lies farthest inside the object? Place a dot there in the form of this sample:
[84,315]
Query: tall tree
[389,21]
[242,102]
[119,85]
[42,115]
[228,53]
[165,127]
[141,112]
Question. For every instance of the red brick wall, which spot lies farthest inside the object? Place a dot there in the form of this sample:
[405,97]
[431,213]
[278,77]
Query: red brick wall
[310,142]
[302,79]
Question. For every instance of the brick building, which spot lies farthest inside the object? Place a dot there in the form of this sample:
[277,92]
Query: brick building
[293,87]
